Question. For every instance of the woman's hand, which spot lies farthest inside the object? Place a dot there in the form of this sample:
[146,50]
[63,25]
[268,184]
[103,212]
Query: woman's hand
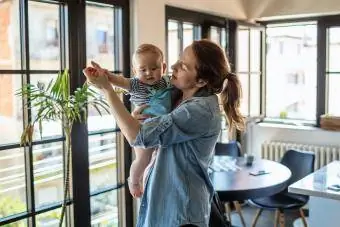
[137,113]
[97,76]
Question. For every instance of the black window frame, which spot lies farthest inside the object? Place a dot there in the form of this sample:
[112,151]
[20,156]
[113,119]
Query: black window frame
[322,23]
[73,58]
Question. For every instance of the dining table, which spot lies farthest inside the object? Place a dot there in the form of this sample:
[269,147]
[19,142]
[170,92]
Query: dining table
[234,179]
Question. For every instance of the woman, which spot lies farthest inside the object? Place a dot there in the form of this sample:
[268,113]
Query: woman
[178,190]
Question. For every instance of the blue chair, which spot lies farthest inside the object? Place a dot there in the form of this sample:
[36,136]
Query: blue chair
[233,148]
[301,164]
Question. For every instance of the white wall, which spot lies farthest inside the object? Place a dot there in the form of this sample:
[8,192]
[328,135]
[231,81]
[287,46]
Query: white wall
[227,8]
[259,133]
[267,9]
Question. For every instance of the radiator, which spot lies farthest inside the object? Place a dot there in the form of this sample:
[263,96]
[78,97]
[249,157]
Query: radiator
[324,154]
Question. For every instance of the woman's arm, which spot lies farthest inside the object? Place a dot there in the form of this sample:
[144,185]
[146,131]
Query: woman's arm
[127,124]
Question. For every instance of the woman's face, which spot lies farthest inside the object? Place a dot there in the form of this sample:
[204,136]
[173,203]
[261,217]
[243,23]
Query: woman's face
[184,75]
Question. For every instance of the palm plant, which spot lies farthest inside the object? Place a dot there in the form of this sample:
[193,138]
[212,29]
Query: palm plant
[54,102]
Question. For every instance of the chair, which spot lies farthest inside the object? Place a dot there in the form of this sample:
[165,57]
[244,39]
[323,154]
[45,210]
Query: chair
[300,164]
[233,148]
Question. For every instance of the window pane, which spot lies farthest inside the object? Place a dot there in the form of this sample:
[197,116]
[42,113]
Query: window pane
[255,50]
[243,51]
[188,34]
[173,44]
[49,219]
[245,93]
[10,54]
[10,108]
[99,122]
[333,94]
[334,49]
[44,35]
[215,34]
[100,35]
[48,173]
[291,72]
[103,162]
[223,38]
[12,182]
[104,210]
[50,128]
[254,94]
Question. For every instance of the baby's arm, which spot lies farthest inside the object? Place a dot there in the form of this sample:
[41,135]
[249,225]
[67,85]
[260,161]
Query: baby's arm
[115,79]
[119,80]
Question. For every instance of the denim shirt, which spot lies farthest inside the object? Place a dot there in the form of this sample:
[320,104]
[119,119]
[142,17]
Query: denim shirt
[178,189]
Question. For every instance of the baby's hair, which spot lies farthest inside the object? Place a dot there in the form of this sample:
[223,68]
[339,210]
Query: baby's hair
[147,48]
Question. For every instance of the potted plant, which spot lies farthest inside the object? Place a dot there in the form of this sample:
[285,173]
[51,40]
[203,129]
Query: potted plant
[55,102]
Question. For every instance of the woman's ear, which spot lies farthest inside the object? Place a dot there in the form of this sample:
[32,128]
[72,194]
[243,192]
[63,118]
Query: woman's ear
[201,83]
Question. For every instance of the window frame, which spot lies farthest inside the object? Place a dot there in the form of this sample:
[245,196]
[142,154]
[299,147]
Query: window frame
[322,24]
[73,57]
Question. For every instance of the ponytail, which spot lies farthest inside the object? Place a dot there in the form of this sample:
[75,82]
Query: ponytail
[230,97]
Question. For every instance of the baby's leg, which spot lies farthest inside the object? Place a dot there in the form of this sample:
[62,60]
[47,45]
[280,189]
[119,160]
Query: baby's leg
[137,168]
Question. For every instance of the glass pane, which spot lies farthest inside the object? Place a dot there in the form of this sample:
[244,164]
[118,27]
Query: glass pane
[333,94]
[173,44]
[11,116]
[44,35]
[48,173]
[104,210]
[12,182]
[243,51]
[188,34]
[291,72]
[223,38]
[10,54]
[255,50]
[49,219]
[197,32]
[103,162]
[245,93]
[100,35]
[334,49]
[215,34]
[254,94]
[51,128]
[22,223]
[99,122]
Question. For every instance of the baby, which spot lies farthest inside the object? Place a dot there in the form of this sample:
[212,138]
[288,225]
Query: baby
[150,87]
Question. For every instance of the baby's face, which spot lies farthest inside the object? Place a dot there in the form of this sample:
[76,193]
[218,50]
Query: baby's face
[148,68]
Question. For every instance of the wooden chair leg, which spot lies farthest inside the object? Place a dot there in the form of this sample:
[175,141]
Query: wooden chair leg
[258,213]
[276,217]
[228,210]
[304,221]
[239,211]
[281,218]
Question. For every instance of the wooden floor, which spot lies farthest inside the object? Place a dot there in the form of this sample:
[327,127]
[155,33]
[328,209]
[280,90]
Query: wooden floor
[266,219]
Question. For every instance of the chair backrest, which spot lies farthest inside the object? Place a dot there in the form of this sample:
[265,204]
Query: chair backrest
[300,163]
[233,148]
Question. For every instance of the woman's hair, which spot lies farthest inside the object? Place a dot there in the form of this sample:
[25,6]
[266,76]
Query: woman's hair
[147,48]
[213,67]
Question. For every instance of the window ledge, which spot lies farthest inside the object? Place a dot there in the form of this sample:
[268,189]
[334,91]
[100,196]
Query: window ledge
[296,126]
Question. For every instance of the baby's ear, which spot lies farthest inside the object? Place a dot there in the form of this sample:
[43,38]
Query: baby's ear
[164,67]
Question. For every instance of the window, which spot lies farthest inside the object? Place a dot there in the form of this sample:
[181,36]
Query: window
[32,177]
[248,67]
[291,71]
[180,35]
[184,26]
[333,70]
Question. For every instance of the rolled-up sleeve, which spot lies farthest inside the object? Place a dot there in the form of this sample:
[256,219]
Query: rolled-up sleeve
[187,122]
